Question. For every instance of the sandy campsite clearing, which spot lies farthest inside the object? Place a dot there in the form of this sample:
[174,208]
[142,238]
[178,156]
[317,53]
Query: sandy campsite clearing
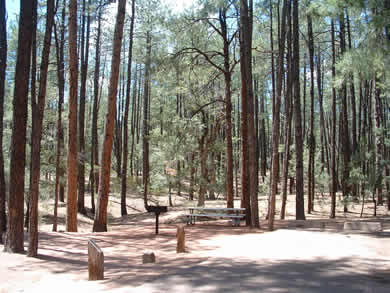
[311,256]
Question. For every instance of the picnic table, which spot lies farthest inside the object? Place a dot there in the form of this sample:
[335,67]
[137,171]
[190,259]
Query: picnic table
[236,214]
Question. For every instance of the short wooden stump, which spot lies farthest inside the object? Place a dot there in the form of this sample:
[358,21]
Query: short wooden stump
[181,246]
[148,257]
[95,261]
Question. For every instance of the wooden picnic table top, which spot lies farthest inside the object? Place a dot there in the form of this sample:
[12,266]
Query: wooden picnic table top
[215,209]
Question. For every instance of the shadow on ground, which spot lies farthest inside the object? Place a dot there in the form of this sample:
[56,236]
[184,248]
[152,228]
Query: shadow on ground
[199,270]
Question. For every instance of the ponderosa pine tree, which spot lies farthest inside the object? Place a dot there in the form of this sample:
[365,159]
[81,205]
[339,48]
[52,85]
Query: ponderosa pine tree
[145,124]
[276,120]
[3,65]
[300,207]
[60,44]
[15,233]
[86,21]
[100,222]
[249,152]
[311,140]
[72,164]
[333,188]
[95,110]
[126,117]
[38,107]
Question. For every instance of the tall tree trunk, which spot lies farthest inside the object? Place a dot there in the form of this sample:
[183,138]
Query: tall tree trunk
[263,139]
[100,222]
[33,94]
[145,131]
[126,117]
[71,208]
[378,142]
[38,107]
[276,120]
[352,91]
[133,121]
[3,65]
[246,25]
[228,108]
[83,85]
[299,185]
[95,110]
[345,142]
[15,233]
[323,133]
[311,134]
[333,188]
[61,87]
[288,114]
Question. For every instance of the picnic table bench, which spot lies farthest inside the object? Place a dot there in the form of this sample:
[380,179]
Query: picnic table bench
[213,212]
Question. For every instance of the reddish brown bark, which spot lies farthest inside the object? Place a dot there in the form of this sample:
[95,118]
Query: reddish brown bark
[72,166]
[100,222]
[126,117]
[38,107]
[15,233]
[61,89]
[276,120]
[299,186]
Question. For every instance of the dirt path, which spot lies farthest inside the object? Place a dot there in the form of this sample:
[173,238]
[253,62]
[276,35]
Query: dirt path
[220,258]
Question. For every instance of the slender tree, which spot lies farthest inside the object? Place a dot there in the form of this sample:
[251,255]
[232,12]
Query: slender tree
[311,133]
[15,233]
[100,222]
[333,188]
[126,117]
[246,26]
[299,186]
[145,124]
[38,107]
[86,20]
[3,65]
[95,110]
[71,208]
[276,120]
[60,44]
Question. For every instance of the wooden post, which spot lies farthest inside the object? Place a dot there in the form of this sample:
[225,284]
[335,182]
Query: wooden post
[95,261]
[181,247]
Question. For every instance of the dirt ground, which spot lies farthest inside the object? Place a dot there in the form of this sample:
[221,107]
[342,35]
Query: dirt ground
[311,256]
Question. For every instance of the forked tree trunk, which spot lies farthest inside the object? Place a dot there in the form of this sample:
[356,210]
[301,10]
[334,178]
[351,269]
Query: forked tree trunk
[100,222]
[15,233]
[38,107]
[71,208]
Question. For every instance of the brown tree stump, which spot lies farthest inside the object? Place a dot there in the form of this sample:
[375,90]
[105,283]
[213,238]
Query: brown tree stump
[95,261]
[181,247]
[148,257]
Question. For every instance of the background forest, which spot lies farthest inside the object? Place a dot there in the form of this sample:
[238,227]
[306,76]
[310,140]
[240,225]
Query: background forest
[224,99]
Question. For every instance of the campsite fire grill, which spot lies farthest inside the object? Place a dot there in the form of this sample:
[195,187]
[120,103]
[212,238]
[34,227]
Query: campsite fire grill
[157,210]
